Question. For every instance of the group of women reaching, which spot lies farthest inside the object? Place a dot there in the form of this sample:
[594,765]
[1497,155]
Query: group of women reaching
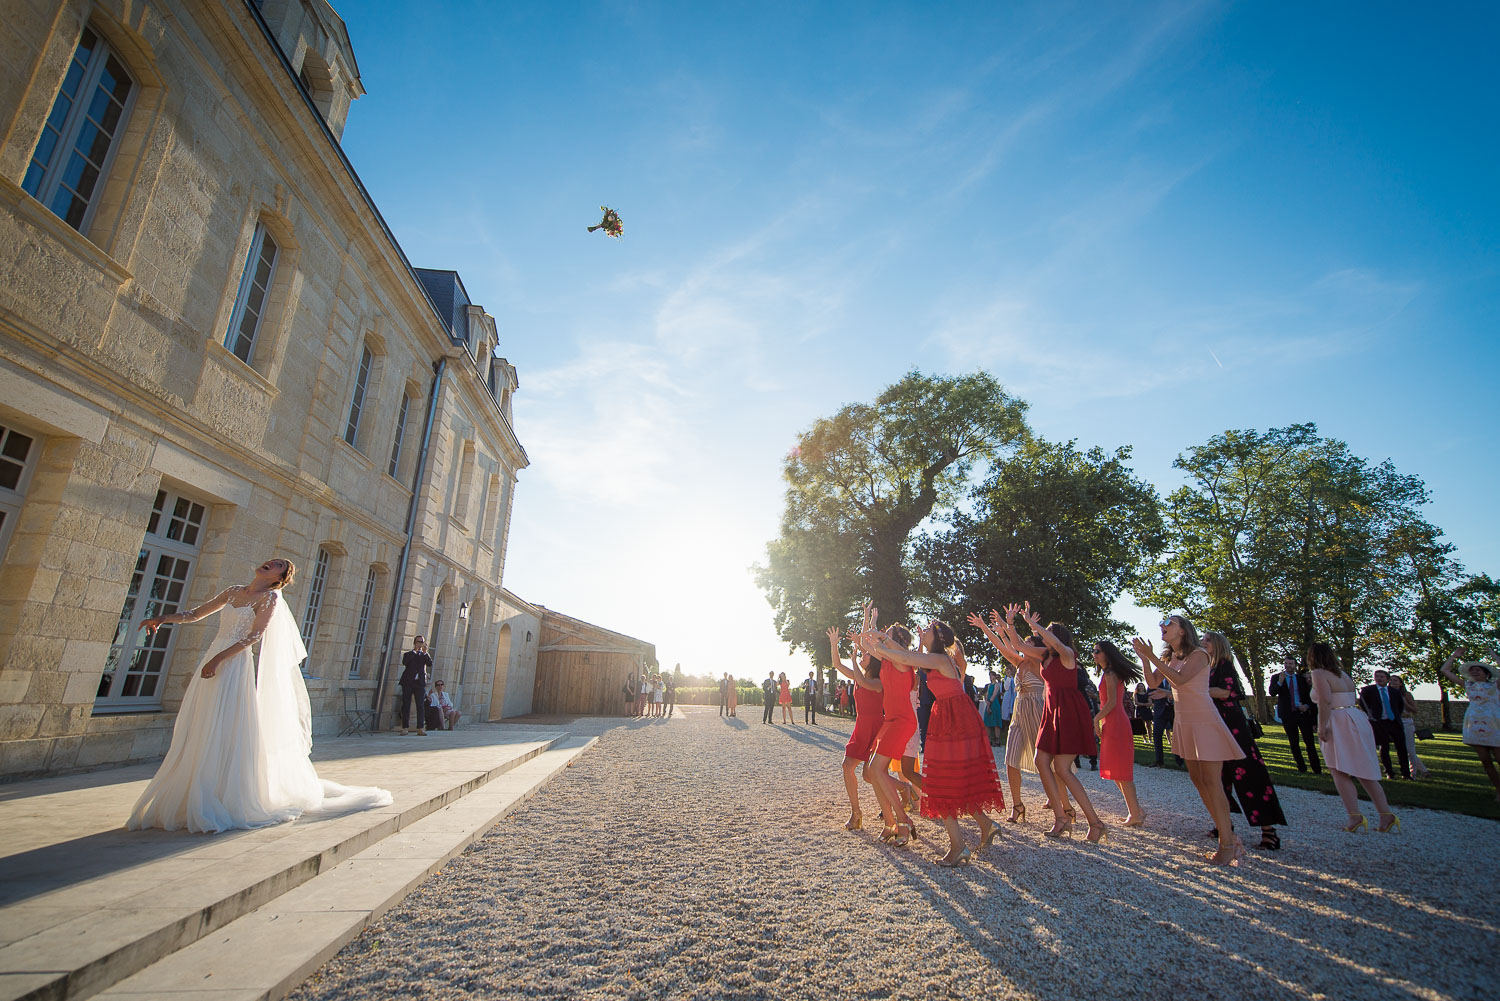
[1053,723]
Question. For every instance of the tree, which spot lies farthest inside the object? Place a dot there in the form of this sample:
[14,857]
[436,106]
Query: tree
[1231,559]
[1287,537]
[858,485]
[1065,529]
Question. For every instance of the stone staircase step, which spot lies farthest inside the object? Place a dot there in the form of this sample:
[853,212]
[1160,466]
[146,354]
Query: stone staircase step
[156,892]
[265,954]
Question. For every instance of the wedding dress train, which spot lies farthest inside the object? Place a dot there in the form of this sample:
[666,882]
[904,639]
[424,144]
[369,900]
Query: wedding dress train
[240,746]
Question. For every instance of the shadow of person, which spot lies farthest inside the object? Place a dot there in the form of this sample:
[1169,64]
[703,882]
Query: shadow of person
[735,722]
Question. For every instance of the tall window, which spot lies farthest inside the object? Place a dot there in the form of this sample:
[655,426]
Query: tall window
[250,302]
[79,137]
[400,433]
[17,457]
[364,624]
[315,599]
[357,404]
[137,662]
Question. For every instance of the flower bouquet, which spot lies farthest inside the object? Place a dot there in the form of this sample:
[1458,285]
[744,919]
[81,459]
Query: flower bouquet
[611,223]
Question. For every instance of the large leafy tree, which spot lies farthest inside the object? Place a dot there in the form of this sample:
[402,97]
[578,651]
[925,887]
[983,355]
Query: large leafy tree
[1284,537]
[858,485]
[1065,529]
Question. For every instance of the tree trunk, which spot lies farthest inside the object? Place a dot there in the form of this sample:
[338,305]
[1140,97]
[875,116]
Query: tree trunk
[888,588]
[1257,680]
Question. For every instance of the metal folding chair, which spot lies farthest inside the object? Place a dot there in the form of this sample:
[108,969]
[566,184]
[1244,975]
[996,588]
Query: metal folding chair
[357,719]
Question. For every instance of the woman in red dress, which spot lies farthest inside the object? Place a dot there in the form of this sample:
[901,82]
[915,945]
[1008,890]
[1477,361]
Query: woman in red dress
[785,699]
[959,764]
[1116,742]
[869,714]
[1067,728]
[896,730]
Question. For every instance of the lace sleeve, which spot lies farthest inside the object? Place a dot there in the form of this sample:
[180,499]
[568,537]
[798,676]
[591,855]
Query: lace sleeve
[264,609]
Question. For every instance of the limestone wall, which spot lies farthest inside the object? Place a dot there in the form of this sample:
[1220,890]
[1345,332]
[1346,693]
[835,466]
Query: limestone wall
[113,358]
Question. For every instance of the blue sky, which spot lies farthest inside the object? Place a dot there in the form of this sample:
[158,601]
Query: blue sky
[1153,222]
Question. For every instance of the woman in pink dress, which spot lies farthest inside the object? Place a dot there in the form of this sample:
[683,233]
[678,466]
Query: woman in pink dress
[785,698]
[1116,742]
[1347,740]
[1199,735]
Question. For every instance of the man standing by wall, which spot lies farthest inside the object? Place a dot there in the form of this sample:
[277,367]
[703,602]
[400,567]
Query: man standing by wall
[416,668]
[768,694]
[724,694]
[1385,708]
[1292,690]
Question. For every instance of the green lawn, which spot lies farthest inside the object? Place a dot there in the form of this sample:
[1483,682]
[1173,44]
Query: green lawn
[1458,783]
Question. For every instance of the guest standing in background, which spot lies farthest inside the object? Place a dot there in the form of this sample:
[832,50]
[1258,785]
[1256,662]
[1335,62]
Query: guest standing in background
[1347,740]
[1116,742]
[994,700]
[768,697]
[1482,718]
[1247,783]
[1384,708]
[416,669]
[1162,714]
[724,696]
[784,698]
[671,694]
[1409,727]
[733,694]
[1007,701]
[1299,717]
[1199,735]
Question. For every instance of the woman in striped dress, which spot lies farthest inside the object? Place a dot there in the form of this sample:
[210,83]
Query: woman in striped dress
[1026,715]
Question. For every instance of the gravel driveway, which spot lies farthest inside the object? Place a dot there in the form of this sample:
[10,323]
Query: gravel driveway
[702,857]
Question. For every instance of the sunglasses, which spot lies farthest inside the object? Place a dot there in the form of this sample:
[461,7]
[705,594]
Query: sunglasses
[1166,622]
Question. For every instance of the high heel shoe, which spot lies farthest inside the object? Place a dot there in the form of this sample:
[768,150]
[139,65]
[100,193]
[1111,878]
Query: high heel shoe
[889,832]
[989,836]
[902,838]
[1392,827]
[856,822]
[1359,826]
[1135,821]
[1103,833]
[1061,829]
[961,859]
[1017,814]
[1269,840]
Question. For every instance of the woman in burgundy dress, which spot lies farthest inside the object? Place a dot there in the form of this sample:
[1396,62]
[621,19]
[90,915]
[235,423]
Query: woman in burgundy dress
[1116,742]
[1247,783]
[1067,728]
[959,773]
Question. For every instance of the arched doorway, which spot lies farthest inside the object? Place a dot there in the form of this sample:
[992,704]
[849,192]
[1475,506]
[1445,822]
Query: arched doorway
[502,672]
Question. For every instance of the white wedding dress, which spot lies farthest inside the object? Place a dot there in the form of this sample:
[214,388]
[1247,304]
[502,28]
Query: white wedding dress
[240,746]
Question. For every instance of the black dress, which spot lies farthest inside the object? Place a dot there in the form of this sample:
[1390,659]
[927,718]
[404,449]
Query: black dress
[1247,784]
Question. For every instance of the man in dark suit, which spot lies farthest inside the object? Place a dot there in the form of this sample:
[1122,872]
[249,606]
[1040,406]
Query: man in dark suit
[768,689]
[1384,708]
[1292,690]
[416,668]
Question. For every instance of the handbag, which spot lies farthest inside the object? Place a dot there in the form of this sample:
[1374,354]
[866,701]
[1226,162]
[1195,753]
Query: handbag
[1424,733]
[1256,730]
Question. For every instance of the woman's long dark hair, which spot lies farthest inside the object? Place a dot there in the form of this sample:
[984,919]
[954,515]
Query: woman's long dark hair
[1321,655]
[1116,663]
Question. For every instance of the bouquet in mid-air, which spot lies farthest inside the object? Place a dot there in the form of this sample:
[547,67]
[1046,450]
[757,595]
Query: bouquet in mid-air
[611,223]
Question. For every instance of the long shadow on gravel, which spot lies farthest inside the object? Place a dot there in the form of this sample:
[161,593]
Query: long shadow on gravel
[814,738]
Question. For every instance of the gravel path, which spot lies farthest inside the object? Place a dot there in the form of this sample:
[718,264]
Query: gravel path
[705,858]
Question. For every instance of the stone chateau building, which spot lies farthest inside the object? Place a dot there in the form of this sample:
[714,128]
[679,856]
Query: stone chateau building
[213,351]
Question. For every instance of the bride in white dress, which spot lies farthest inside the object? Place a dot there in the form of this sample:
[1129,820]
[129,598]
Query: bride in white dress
[240,746]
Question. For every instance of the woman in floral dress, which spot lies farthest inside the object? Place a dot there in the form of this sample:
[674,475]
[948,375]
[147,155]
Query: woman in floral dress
[1247,783]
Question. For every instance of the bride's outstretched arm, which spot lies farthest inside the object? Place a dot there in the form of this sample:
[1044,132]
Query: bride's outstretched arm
[264,609]
[202,611]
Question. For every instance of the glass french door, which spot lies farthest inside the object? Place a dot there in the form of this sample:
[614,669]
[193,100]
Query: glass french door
[136,667]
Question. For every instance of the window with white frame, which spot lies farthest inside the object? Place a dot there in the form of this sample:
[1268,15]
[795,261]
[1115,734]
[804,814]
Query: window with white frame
[314,600]
[357,403]
[137,662]
[400,433]
[18,452]
[364,623]
[72,157]
[250,301]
